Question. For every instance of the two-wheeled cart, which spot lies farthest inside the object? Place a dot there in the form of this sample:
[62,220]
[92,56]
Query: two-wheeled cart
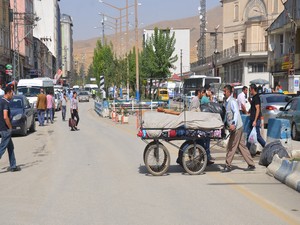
[192,154]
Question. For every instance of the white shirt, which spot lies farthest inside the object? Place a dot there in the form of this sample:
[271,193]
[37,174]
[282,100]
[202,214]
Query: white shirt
[195,104]
[242,100]
[1,92]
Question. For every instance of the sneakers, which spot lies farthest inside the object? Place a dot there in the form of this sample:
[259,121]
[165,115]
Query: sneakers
[14,169]
[250,168]
[226,169]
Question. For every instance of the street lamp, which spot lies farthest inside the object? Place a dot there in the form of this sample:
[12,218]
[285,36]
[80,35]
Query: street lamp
[215,34]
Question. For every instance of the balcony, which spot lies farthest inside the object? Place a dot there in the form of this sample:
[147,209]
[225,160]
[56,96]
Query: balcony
[234,52]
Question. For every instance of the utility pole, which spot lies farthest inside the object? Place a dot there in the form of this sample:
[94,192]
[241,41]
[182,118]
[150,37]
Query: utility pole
[137,53]
[16,65]
[202,40]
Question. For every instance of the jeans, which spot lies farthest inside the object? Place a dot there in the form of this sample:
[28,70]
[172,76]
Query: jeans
[6,142]
[260,140]
[63,112]
[41,116]
[49,112]
[75,114]
[205,143]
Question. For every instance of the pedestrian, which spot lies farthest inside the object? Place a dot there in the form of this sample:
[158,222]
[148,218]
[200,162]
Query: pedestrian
[195,103]
[1,91]
[242,100]
[234,124]
[6,130]
[204,98]
[49,113]
[41,106]
[63,103]
[255,115]
[74,110]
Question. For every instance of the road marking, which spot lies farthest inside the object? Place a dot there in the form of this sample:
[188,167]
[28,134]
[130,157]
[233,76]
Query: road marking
[257,199]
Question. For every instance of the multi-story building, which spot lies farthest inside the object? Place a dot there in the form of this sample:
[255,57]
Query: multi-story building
[245,47]
[284,54]
[67,45]
[5,53]
[22,37]
[48,30]
[182,46]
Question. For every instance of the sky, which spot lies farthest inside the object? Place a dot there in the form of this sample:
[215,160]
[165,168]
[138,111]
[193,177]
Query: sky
[85,13]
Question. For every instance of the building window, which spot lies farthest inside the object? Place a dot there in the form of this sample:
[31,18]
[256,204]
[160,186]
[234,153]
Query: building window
[258,67]
[281,43]
[236,12]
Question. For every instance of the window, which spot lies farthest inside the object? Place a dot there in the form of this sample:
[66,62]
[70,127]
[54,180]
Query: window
[258,67]
[236,12]
[281,43]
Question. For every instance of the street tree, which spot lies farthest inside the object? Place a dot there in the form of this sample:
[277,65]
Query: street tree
[157,56]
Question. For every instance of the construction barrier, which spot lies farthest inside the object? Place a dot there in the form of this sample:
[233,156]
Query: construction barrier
[286,171]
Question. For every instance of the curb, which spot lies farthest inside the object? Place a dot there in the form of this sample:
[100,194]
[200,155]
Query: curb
[285,171]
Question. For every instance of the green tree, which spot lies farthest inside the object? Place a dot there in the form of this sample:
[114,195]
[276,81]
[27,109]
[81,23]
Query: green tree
[157,57]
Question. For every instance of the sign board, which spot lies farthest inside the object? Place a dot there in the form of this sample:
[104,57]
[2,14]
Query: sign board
[92,79]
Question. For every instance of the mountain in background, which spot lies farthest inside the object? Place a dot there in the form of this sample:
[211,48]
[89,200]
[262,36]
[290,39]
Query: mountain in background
[84,50]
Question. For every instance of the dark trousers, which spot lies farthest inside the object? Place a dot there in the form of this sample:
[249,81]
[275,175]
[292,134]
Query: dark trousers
[75,115]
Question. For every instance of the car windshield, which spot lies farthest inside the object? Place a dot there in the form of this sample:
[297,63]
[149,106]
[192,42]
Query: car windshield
[16,103]
[83,93]
[276,98]
[29,91]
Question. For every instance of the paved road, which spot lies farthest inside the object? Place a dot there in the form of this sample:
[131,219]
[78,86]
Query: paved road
[96,176]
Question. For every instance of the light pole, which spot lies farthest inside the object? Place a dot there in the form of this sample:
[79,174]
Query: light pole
[137,52]
[215,34]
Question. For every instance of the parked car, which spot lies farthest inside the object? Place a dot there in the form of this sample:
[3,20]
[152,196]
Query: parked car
[270,104]
[292,112]
[83,96]
[188,97]
[22,115]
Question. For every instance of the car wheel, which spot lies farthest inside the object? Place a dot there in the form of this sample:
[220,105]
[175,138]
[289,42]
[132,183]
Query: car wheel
[294,133]
[24,129]
[32,127]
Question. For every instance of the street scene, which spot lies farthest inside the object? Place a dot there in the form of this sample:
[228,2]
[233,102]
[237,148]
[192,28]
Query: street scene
[149,112]
[97,176]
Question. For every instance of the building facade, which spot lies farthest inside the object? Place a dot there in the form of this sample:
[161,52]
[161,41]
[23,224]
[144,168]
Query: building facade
[48,30]
[67,45]
[245,43]
[5,45]
[182,46]
[284,47]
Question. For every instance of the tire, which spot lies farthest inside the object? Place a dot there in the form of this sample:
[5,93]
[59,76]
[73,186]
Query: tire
[294,133]
[157,159]
[146,148]
[180,151]
[194,159]
[32,127]
[24,129]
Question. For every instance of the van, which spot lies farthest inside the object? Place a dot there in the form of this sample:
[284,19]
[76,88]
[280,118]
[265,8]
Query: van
[163,94]
[31,88]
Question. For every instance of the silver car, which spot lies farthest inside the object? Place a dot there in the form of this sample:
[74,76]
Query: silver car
[83,96]
[270,104]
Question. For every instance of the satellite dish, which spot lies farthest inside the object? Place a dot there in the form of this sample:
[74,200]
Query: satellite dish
[200,17]
[199,8]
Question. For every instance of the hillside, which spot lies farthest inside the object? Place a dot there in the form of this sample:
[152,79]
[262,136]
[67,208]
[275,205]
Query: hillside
[214,18]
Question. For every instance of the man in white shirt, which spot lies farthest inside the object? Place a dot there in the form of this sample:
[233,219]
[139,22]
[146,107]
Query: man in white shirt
[242,100]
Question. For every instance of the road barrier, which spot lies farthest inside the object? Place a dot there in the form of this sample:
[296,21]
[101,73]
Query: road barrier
[286,171]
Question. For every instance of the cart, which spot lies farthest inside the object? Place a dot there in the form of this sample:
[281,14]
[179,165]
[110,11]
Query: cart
[194,128]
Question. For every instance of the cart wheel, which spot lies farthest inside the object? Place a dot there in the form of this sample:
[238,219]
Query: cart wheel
[157,159]
[181,150]
[194,159]
[146,148]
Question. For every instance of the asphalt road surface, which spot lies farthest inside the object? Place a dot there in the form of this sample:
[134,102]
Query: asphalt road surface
[96,176]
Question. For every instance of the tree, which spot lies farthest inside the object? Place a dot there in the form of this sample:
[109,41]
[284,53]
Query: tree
[157,56]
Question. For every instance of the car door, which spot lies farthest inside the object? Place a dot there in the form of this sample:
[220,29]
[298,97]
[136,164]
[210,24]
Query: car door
[28,112]
[291,109]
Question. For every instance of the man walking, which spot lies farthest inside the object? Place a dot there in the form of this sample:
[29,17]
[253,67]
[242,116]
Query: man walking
[41,106]
[64,106]
[255,115]
[242,100]
[6,129]
[49,107]
[234,123]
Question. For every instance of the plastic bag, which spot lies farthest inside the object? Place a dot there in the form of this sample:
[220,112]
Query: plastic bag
[252,139]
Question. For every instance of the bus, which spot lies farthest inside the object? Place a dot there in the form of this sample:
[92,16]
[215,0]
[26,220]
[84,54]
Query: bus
[198,81]
[31,87]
